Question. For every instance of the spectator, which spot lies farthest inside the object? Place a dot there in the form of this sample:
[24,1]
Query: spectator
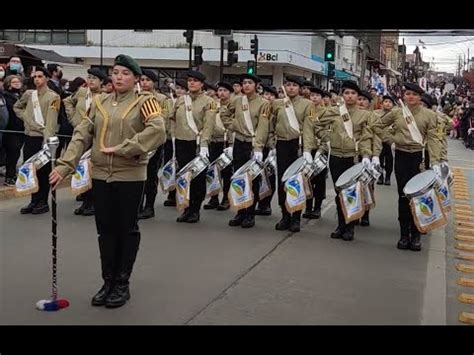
[13,142]
[108,86]
[15,66]
[455,130]
[76,84]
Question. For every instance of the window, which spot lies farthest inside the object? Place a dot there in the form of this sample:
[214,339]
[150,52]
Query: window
[142,30]
[45,36]
[59,37]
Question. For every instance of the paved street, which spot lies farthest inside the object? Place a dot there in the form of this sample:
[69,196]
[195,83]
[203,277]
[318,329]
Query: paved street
[210,273]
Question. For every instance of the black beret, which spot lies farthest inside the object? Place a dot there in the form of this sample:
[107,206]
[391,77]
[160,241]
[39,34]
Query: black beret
[208,85]
[427,100]
[44,71]
[295,79]
[196,75]
[414,87]
[388,97]
[52,67]
[238,81]
[326,94]
[107,80]
[334,91]
[366,94]
[317,90]
[97,72]
[182,83]
[150,74]
[128,62]
[255,78]
[225,85]
[270,89]
[349,84]
[308,83]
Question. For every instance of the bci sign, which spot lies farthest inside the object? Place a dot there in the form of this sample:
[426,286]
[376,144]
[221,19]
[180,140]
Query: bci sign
[267,57]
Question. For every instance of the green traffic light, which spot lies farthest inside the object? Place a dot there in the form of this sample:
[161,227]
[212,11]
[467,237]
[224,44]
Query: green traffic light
[329,55]
[250,71]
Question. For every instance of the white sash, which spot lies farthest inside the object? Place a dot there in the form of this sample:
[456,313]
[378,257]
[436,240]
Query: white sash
[346,119]
[189,114]
[37,108]
[411,124]
[219,123]
[290,112]
[88,99]
[247,118]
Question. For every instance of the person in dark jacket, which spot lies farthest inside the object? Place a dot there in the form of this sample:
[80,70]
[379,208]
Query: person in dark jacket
[13,142]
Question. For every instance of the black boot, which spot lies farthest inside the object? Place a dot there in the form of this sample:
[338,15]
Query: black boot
[213,203]
[348,233]
[285,221]
[40,208]
[100,297]
[317,209]
[308,213]
[415,244]
[120,293]
[89,211]
[337,234]
[193,216]
[79,211]
[364,222]
[224,205]
[263,210]
[295,222]
[380,180]
[147,212]
[80,198]
[107,248]
[184,217]
[387,180]
[248,221]
[28,209]
[404,242]
[237,220]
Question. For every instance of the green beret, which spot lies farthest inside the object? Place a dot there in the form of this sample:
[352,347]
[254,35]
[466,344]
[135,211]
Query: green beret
[128,62]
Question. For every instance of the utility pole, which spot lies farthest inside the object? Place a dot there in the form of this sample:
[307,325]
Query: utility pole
[101,48]
[404,60]
[221,65]
[364,65]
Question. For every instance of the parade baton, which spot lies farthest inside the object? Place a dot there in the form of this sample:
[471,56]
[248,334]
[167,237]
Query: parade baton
[54,303]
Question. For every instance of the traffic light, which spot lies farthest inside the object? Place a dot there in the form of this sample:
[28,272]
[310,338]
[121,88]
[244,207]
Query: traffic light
[331,70]
[254,45]
[198,55]
[232,57]
[329,50]
[188,34]
[251,67]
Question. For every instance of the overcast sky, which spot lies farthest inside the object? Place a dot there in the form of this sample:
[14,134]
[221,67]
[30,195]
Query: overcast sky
[442,51]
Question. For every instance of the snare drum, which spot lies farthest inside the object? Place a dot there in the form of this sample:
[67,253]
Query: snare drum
[319,164]
[352,175]
[223,161]
[196,166]
[253,167]
[300,165]
[270,163]
[420,184]
[40,159]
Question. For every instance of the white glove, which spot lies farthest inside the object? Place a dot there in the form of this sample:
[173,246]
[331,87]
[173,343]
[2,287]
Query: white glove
[308,157]
[204,152]
[258,156]
[366,163]
[229,151]
[436,169]
[376,161]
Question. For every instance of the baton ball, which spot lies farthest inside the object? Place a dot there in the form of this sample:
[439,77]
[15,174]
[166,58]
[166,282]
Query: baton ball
[51,306]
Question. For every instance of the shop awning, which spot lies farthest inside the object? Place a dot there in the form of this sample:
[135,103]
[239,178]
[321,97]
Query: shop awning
[48,56]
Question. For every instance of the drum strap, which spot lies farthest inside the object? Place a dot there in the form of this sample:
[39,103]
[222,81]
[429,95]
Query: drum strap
[247,117]
[37,108]
[88,99]
[219,123]
[190,117]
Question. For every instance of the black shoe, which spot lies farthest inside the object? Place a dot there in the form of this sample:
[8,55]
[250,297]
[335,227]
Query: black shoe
[337,234]
[80,198]
[264,211]
[79,211]
[193,217]
[184,217]
[380,180]
[308,214]
[9,182]
[348,234]
[364,222]
[89,211]
[294,225]
[147,212]
[118,297]
[415,244]
[284,223]
[236,221]
[316,213]
[212,204]
[28,209]
[225,205]
[40,208]
[387,182]
[356,222]
[403,243]
[248,222]
[99,298]
[169,203]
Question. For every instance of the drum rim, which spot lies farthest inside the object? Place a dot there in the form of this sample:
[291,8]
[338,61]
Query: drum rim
[349,183]
[425,189]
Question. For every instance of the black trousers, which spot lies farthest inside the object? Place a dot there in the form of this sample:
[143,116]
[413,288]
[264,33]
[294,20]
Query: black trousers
[338,166]
[32,146]
[151,184]
[427,159]
[287,153]
[215,150]
[167,155]
[318,184]
[185,152]
[242,153]
[386,160]
[407,165]
[13,143]
[116,211]
[267,201]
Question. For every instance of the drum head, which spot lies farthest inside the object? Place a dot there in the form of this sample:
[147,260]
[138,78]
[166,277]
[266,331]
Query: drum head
[350,176]
[420,182]
[293,168]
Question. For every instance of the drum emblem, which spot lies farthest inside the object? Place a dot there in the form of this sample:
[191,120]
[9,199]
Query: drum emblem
[238,185]
[294,188]
[426,205]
